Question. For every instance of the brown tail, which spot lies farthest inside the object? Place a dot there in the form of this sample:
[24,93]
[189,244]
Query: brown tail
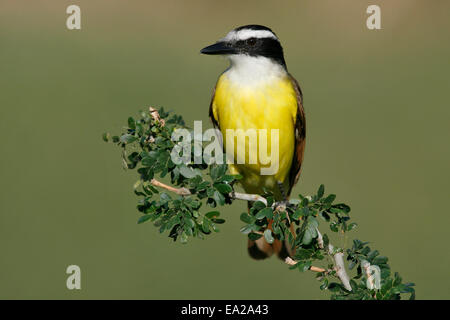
[260,249]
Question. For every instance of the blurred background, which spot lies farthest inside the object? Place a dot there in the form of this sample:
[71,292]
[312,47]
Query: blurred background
[377,109]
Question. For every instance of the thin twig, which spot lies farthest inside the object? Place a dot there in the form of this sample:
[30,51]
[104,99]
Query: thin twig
[155,115]
[247,197]
[292,262]
[186,192]
[319,239]
[180,191]
[317,269]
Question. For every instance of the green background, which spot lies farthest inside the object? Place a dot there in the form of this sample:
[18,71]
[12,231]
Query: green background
[377,107]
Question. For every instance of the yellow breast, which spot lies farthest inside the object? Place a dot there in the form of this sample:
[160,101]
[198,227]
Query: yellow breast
[269,105]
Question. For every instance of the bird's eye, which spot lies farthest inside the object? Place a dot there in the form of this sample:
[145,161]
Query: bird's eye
[251,41]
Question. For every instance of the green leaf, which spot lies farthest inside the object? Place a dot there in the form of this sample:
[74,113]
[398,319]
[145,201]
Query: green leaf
[397,279]
[187,172]
[205,225]
[342,207]
[190,223]
[313,224]
[210,192]
[304,202]
[321,191]
[218,171]
[334,226]
[301,212]
[212,214]
[303,254]
[131,123]
[258,205]
[106,136]
[223,188]
[380,260]
[324,284]
[330,198]
[139,129]
[246,229]
[165,197]
[352,226]
[228,178]
[220,199]
[254,236]
[326,240]
[183,237]
[335,287]
[245,217]
[264,213]
[353,285]
[307,237]
[304,265]
[325,216]
[372,254]
[144,218]
[128,138]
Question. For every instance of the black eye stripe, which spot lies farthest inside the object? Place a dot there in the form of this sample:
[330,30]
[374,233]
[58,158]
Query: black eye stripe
[251,41]
[264,47]
[248,42]
[261,42]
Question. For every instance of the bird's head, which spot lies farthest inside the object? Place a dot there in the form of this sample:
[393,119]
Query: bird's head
[249,41]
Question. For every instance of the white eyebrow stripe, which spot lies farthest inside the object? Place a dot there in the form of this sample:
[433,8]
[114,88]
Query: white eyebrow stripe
[247,34]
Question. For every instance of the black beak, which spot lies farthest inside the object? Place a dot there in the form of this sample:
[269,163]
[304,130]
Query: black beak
[218,48]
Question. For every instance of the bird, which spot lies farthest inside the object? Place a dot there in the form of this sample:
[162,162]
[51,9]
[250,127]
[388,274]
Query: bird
[257,92]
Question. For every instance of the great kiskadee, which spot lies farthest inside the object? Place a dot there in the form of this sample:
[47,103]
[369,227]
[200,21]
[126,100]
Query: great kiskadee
[257,92]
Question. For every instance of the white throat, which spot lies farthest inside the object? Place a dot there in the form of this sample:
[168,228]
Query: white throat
[247,70]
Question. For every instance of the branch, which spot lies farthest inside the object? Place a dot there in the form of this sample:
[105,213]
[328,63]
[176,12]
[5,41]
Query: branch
[152,126]
[186,192]
[338,258]
[179,191]
[247,197]
[292,262]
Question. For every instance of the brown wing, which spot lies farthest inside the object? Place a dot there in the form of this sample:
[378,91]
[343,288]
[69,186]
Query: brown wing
[300,135]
